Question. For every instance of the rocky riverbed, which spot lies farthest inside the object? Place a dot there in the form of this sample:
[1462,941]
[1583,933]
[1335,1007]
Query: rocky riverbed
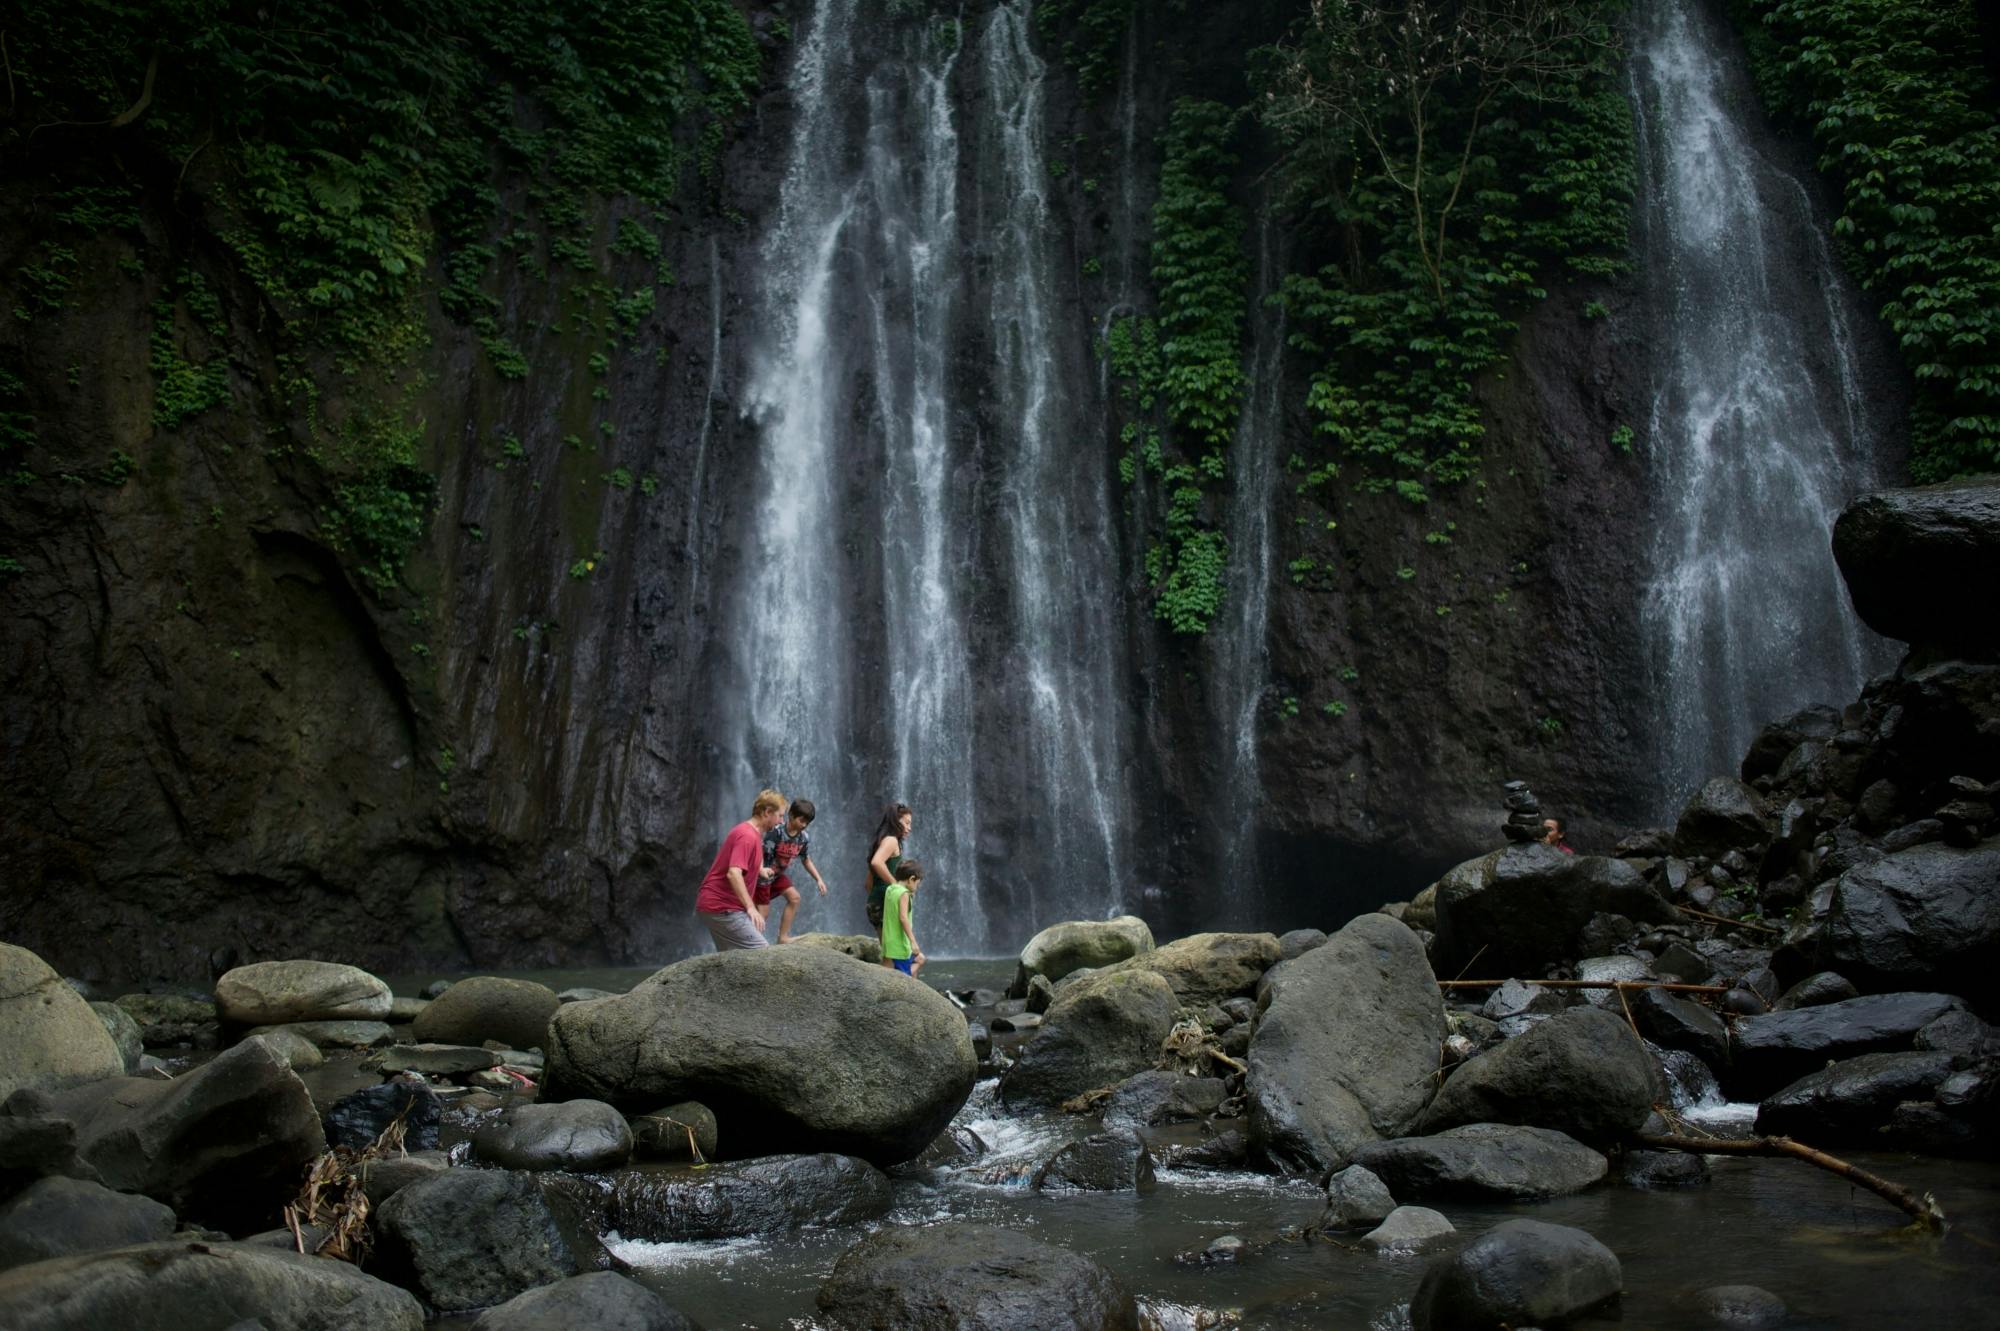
[1449,1112]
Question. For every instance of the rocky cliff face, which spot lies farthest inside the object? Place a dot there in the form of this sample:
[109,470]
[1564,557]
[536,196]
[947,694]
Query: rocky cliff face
[221,739]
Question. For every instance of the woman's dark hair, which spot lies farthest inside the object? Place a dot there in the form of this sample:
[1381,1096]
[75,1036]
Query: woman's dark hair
[891,825]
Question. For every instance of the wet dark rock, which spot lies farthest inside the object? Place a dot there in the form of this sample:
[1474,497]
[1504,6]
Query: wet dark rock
[1737,1308]
[1408,1229]
[1484,1160]
[61,1217]
[1356,1198]
[684,1131]
[766,1039]
[1927,917]
[36,1143]
[1819,988]
[579,1136]
[357,1119]
[1650,843]
[1678,1023]
[1527,906]
[1152,1097]
[1298,942]
[1345,1052]
[383,1178]
[1774,1050]
[1619,968]
[1516,1005]
[470,1238]
[1777,740]
[1208,968]
[1850,1101]
[1019,1021]
[1101,1030]
[1241,1010]
[1579,1072]
[1604,932]
[1910,555]
[967,1277]
[602,1300]
[1683,964]
[1724,815]
[1104,1162]
[1960,1034]
[1228,1250]
[1225,1150]
[205,1284]
[775,1194]
[954,1146]
[486,1007]
[1519,1273]
[1041,994]
[1661,1169]
[173,1019]
[1744,1002]
[222,1144]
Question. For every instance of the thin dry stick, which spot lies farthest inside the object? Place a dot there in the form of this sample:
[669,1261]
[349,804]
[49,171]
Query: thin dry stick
[1724,919]
[1925,1209]
[1468,965]
[1669,986]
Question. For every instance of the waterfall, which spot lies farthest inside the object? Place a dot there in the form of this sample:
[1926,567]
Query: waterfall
[925,607]
[1756,435]
[698,502]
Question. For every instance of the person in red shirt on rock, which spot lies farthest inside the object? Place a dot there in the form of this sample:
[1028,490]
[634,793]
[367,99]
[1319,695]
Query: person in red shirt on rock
[724,902]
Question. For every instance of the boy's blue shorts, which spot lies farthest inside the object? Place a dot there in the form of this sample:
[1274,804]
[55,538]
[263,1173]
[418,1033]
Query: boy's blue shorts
[902,963]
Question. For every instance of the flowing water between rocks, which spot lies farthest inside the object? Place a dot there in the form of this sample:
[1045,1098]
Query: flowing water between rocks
[1839,1257]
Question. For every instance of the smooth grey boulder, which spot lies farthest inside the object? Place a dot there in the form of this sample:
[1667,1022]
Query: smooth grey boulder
[1356,1198]
[580,1136]
[1724,815]
[1851,1101]
[1484,1160]
[1910,556]
[1773,1050]
[172,1019]
[1662,1169]
[1346,1049]
[223,1144]
[1100,1030]
[1298,942]
[684,1131]
[1078,944]
[784,1044]
[1104,1162]
[185,1286]
[1407,1229]
[470,1238]
[767,1196]
[1520,908]
[1207,968]
[52,1038]
[968,1277]
[385,1176]
[1923,918]
[1153,1097]
[124,1033]
[1613,968]
[439,1060]
[862,947]
[1582,1072]
[486,1007]
[1519,1273]
[273,993]
[596,1301]
[61,1217]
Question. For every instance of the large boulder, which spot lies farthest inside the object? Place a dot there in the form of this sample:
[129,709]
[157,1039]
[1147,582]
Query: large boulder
[1724,815]
[485,1007]
[1103,1162]
[124,1032]
[271,993]
[1155,1096]
[600,1301]
[1101,1029]
[172,1019]
[1910,557]
[52,1038]
[1853,1100]
[582,1136]
[185,1286]
[1518,1273]
[471,1238]
[798,1045]
[61,1217]
[1777,1048]
[35,1143]
[967,1277]
[1077,944]
[1347,1047]
[1484,1160]
[1582,1072]
[1924,918]
[1208,968]
[1673,1022]
[773,1195]
[224,1144]
[1520,908]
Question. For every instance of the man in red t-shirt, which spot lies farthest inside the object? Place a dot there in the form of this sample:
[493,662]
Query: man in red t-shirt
[724,902]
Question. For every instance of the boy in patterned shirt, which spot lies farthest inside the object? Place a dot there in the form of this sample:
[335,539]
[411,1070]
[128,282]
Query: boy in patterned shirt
[784,843]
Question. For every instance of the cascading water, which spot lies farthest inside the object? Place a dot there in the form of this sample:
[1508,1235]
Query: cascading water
[890,510]
[1757,433]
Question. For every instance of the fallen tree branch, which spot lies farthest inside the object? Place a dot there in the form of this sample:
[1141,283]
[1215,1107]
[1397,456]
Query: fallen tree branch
[1924,1209]
[1668,985]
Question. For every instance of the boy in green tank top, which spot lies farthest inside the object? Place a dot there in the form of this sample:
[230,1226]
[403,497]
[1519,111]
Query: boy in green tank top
[899,938]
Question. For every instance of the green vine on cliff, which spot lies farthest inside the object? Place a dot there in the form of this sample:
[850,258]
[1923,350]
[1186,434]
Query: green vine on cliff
[1896,98]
